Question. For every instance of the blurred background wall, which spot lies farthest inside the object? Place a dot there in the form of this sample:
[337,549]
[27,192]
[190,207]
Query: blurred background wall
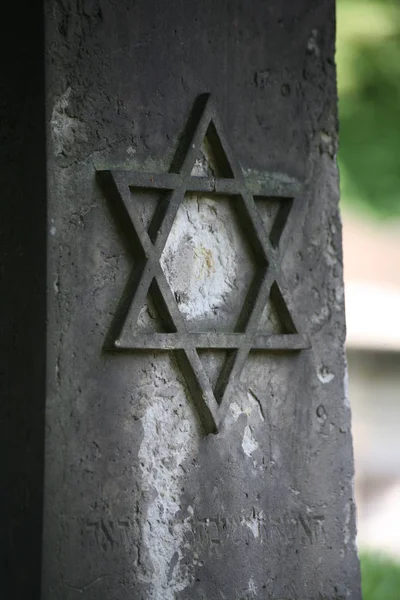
[368,60]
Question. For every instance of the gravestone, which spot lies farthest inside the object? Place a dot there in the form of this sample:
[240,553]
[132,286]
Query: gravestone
[198,439]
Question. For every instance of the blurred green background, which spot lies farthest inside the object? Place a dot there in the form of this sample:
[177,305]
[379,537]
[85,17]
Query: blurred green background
[380,577]
[368,61]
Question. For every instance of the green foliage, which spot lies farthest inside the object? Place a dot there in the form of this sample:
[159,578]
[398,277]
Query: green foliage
[368,60]
[380,577]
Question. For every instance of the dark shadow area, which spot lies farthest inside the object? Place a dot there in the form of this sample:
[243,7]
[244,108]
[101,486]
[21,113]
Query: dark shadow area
[22,298]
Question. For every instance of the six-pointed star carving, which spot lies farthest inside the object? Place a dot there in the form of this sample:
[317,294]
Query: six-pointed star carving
[147,245]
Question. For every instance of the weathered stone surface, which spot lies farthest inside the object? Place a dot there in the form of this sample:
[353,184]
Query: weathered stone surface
[140,501]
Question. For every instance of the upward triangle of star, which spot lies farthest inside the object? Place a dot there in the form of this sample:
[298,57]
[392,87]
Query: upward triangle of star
[146,242]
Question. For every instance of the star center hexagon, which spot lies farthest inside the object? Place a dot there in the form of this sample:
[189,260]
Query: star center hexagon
[208,262]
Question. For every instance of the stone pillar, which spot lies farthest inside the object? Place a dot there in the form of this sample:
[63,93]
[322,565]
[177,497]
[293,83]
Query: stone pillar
[198,430]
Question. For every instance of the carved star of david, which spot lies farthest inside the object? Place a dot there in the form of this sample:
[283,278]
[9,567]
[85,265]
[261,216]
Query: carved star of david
[146,247]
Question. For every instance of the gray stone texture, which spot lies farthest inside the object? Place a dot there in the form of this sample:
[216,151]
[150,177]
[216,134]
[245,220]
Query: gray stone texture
[140,503]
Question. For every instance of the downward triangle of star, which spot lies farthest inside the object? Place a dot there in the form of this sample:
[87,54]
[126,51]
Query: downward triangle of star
[148,291]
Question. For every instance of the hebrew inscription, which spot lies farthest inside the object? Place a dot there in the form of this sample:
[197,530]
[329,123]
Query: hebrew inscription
[199,219]
[296,527]
[107,533]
